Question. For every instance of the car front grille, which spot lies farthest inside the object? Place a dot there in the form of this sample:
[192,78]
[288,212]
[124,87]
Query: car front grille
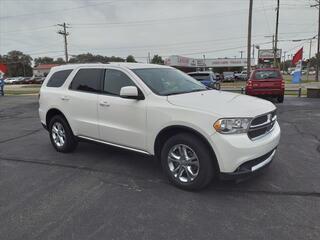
[262,125]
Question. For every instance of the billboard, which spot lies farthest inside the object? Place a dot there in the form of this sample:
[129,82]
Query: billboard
[179,61]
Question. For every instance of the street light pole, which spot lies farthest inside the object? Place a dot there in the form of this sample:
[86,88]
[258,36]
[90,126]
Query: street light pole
[249,39]
[275,64]
[318,49]
[308,67]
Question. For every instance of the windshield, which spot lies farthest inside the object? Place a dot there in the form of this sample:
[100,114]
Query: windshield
[261,75]
[168,81]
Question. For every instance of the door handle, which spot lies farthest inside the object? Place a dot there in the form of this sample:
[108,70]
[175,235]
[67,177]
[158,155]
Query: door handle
[64,98]
[104,104]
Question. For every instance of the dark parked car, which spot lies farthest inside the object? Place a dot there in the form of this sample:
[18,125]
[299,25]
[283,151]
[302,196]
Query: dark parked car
[208,79]
[38,80]
[266,82]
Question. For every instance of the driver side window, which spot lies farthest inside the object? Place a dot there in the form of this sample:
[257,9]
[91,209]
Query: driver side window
[114,80]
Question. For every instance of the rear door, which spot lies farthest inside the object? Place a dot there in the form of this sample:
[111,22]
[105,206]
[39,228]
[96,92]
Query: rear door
[81,99]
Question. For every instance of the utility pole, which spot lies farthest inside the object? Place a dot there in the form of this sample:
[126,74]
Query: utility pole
[275,64]
[253,50]
[64,33]
[249,39]
[318,49]
[284,61]
[308,67]
[204,62]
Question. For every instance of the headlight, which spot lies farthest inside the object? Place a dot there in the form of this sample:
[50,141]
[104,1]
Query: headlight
[232,125]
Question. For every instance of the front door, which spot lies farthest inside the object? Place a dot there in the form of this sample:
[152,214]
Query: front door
[122,121]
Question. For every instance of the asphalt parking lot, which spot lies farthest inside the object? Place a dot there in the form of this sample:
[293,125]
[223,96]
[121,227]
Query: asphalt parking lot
[100,192]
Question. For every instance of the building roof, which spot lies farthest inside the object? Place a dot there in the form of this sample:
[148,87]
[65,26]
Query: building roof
[45,66]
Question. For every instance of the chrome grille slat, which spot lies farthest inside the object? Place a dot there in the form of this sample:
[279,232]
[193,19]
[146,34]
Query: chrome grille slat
[262,125]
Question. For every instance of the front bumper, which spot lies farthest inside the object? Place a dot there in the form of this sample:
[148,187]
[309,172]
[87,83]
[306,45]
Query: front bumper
[233,151]
[251,167]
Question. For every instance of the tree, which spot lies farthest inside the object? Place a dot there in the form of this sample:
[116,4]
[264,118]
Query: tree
[43,60]
[157,60]
[90,58]
[59,61]
[19,64]
[130,58]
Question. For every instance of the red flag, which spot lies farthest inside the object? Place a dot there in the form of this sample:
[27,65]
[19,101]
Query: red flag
[297,57]
[3,68]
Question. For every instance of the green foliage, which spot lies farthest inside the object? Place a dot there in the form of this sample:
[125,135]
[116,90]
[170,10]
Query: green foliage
[43,60]
[157,60]
[130,58]
[19,64]
[90,58]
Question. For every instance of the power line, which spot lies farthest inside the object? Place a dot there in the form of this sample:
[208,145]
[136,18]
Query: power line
[52,11]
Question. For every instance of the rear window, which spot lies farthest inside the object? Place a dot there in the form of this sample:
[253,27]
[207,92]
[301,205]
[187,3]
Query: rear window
[200,76]
[87,80]
[58,78]
[261,75]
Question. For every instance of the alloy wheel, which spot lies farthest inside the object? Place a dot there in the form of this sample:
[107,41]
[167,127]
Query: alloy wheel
[183,163]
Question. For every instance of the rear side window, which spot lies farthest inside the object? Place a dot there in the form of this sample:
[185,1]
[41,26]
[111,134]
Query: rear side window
[87,80]
[58,78]
[115,80]
[201,76]
[261,75]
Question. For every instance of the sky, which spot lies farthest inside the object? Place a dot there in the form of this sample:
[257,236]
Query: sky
[191,28]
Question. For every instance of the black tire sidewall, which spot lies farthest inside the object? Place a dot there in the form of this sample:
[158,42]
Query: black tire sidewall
[70,142]
[206,169]
[280,99]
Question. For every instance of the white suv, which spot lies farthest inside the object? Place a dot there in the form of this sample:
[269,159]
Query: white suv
[196,133]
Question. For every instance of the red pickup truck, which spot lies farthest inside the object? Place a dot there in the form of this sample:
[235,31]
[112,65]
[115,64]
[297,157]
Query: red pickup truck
[267,82]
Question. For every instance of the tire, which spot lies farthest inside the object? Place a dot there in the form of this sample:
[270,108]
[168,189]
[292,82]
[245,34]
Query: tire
[217,86]
[280,99]
[202,170]
[60,129]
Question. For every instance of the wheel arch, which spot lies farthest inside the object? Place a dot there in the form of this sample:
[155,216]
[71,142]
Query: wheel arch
[169,131]
[53,112]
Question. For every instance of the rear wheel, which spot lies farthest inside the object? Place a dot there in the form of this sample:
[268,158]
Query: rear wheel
[187,162]
[280,99]
[61,135]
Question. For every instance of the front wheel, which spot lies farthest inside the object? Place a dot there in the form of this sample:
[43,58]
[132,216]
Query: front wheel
[217,86]
[187,162]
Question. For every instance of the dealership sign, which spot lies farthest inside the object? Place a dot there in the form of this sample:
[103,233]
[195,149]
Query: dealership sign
[179,61]
[268,54]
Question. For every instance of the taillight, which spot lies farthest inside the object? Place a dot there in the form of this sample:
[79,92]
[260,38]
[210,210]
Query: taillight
[249,84]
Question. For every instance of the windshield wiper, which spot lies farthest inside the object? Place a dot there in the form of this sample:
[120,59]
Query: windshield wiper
[195,90]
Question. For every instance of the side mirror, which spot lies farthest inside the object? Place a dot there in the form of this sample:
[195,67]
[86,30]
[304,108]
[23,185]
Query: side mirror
[131,92]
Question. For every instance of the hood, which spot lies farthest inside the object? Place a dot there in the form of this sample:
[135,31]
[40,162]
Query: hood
[221,103]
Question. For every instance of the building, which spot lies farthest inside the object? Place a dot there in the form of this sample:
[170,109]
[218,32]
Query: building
[215,64]
[42,70]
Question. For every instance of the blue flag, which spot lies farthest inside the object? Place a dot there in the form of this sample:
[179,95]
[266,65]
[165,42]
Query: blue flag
[297,74]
